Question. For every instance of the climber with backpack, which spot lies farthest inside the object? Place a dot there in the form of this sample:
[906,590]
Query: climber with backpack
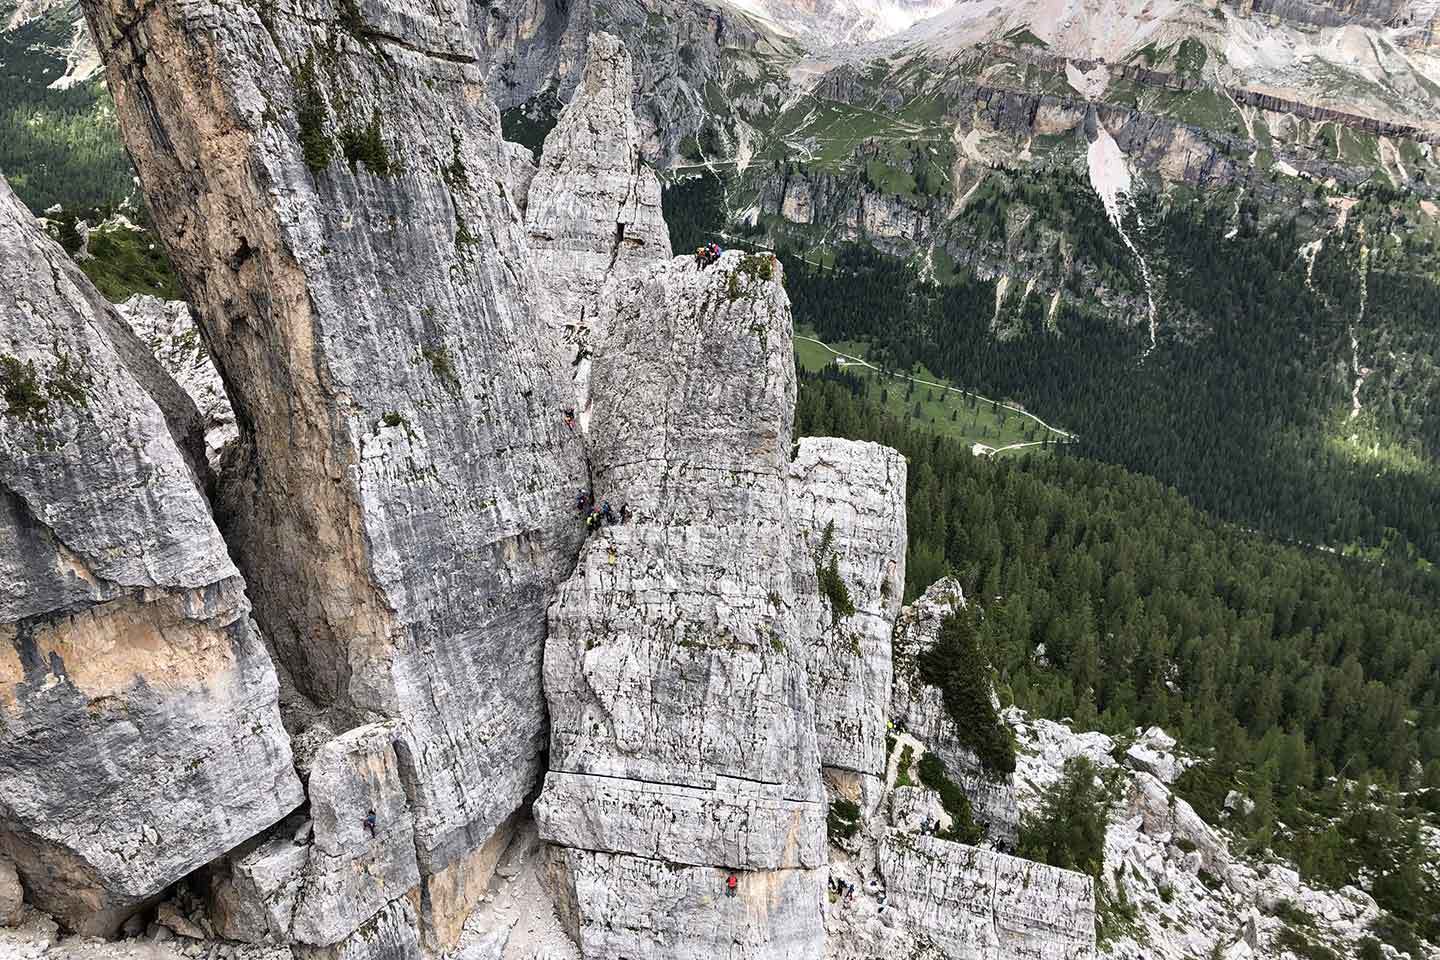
[730,885]
[606,513]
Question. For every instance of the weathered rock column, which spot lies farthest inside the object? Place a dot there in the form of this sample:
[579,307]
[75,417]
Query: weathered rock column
[329,181]
[140,731]
[849,498]
[593,208]
[682,726]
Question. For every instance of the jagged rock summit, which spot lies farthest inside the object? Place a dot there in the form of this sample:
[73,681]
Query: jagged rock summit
[592,210]
[140,733]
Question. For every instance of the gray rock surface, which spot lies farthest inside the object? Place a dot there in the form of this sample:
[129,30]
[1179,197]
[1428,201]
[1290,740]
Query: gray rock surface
[354,870]
[168,329]
[676,664]
[140,734]
[325,178]
[919,709]
[966,902]
[593,207]
[856,491]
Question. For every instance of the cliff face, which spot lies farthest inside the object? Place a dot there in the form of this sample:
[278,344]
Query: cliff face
[330,184]
[683,742]
[140,734]
[849,500]
[593,208]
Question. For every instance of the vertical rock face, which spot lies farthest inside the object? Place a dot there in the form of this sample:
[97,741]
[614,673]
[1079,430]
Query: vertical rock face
[919,709]
[965,902]
[849,499]
[329,181]
[593,208]
[683,744]
[140,732]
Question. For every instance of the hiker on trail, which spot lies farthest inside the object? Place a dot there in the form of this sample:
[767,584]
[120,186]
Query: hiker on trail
[730,885]
[370,822]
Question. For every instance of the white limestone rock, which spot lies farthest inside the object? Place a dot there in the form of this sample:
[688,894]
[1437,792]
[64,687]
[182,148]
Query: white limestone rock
[676,667]
[1154,753]
[354,870]
[389,935]
[169,330]
[857,492]
[592,209]
[919,709]
[616,905]
[140,734]
[400,492]
[943,899]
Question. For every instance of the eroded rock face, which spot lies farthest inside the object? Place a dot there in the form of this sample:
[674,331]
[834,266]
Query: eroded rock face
[852,495]
[683,743]
[593,208]
[328,179]
[140,733]
[168,329]
[919,709]
[961,901]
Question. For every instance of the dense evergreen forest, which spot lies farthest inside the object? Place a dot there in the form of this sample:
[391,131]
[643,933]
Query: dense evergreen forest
[1109,599]
[1243,403]
[56,146]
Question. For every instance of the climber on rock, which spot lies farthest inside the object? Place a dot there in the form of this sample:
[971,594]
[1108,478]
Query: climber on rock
[370,823]
[593,520]
[582,501]
[606,513]
[570,419]
[624,513]
[730,884]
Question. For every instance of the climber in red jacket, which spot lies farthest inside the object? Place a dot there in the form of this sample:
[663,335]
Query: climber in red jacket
[730,885]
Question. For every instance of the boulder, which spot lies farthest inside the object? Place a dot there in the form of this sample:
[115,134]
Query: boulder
[1154,753]
[138,705]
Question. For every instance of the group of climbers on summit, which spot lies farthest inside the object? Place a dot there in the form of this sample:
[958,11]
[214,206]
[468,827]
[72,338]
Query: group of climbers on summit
[707,254]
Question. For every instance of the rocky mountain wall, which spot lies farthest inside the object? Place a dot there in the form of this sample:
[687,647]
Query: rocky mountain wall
[849,499]
[683,744]
[592,210]
[329,182]
[918,709]
[140,733]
